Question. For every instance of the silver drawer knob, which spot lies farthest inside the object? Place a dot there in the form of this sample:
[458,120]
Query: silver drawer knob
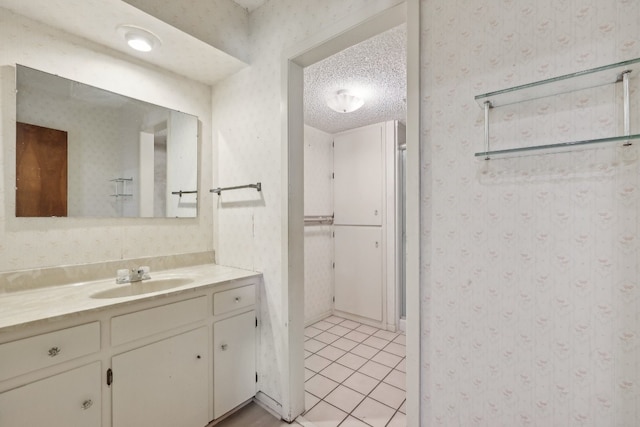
[87,404]
[237,299]
[224,347]
[54,351]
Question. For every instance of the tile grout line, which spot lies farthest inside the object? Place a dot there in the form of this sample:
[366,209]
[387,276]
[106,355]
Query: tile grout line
[370,359]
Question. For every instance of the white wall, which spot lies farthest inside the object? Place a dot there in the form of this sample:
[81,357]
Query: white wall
[318,243]
[181,131]
[247,140]
[30,243]
[530,265]
[530,280]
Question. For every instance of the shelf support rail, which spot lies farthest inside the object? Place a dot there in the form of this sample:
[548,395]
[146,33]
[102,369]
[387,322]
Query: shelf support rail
[625,89]
[487,106]
[318,219]
[219,190]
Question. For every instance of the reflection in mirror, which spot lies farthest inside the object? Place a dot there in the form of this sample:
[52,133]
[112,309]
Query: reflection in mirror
[86,152]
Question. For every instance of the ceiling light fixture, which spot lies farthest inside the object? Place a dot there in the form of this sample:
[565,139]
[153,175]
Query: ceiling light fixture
[344,102]
[138,38]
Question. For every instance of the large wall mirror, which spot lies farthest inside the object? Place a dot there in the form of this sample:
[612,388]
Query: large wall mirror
[86,152]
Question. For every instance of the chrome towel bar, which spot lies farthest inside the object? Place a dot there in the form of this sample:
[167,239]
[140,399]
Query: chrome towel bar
[180,193]
[219,190]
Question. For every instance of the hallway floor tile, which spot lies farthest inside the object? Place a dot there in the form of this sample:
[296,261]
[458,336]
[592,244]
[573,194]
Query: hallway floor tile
[354,375]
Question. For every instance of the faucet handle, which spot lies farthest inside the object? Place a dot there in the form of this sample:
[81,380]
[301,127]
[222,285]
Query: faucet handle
[144,272]
[122,276]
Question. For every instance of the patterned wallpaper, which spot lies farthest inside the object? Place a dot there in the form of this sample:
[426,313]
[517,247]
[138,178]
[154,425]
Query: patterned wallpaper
[94,145]
[246,123]
[30,243]
[318,243]
[529,265]
[530,277]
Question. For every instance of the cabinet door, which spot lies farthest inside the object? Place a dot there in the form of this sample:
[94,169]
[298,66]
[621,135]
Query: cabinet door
[163,384]
[358,271]
[234,362]
[358,173]
[68,399]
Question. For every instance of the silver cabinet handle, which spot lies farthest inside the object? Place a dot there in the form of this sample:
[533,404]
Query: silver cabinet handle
[237,299]
[87,404]
[224,347]
[54,351]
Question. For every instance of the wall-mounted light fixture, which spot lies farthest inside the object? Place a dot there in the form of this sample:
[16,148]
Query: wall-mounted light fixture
[138,38]
[344,102]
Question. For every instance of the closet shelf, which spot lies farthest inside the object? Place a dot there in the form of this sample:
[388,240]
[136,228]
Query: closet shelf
[557,148]
[558,85]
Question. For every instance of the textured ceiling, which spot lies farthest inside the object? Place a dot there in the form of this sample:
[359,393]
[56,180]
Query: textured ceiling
[374,69]
[250,5]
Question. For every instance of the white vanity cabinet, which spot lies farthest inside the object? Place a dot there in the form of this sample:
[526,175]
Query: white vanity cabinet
[53,398]
[234,348]
[180,359]
[71,398]
[163,384]
[234,362]
[165,381]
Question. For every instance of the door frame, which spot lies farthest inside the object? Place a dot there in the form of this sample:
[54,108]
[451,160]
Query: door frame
[359,26]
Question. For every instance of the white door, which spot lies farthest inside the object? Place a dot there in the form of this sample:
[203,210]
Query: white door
[234,362]
[358,271]
[163,384]
[68,399]
[358,176]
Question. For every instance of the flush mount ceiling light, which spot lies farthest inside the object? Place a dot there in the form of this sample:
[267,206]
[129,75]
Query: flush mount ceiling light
[138,38]
[344,102]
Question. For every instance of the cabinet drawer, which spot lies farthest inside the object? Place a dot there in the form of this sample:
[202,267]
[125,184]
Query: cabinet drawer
[72,398]
[133,326]
[233,299]
[41,351]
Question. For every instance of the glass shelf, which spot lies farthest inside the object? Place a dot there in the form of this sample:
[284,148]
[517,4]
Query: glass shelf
[563,84]
[556,148]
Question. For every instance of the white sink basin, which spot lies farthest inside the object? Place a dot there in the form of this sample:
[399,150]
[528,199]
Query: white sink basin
[143,287]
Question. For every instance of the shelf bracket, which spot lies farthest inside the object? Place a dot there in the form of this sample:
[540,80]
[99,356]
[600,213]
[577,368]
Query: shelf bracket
[487,106]
[626,120]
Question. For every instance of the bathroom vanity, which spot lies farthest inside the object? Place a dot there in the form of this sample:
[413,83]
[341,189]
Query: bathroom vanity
[101,354]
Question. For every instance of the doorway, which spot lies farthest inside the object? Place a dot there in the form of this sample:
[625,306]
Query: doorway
[41,171]
[360,26]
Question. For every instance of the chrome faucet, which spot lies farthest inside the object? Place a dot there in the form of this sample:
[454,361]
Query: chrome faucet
[134,275]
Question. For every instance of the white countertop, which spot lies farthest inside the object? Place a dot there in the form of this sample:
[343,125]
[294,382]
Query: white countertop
[18,309]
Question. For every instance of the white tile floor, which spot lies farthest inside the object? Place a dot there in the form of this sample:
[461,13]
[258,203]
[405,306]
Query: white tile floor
[355,375]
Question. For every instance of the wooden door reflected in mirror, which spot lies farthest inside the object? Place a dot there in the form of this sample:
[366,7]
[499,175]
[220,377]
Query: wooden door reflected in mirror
[41,171]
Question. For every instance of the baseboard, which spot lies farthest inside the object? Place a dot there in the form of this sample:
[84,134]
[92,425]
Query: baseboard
[365,321]
[402,325]
[268,404]
[317,318]
[303,422]
[228,414]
